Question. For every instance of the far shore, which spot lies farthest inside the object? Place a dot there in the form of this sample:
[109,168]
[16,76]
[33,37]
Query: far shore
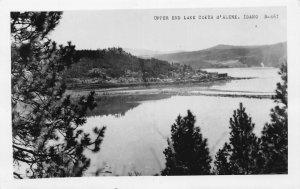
[107,85]
[182,89]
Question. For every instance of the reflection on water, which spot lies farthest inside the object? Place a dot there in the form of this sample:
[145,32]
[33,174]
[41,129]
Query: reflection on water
[135,141]
[120,104]
[264,83]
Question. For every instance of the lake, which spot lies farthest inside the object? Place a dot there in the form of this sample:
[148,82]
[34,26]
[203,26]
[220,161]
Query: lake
[138,125]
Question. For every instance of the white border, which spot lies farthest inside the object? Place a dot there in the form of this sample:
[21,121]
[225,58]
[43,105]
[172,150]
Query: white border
[273,181]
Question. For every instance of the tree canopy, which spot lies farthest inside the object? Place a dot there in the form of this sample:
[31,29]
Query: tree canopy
[247,154]
[115,62]
[241,155]
[48,140]
[187,152]
[275,134]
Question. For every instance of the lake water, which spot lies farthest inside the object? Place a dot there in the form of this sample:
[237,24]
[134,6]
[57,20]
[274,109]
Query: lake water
[136,135]
[265,79]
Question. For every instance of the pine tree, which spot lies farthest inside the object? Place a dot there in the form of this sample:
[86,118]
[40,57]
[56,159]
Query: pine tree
[187,152]
[46,124]
[241,155]
[222,164]
[275,134]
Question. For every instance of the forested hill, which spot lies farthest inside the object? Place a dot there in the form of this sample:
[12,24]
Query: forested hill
[115,63]
[231,56]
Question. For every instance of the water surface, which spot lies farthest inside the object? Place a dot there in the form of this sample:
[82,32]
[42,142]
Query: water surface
[265,79]
[136,135]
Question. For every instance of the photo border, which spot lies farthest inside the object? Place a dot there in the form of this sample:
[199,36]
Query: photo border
[216,181]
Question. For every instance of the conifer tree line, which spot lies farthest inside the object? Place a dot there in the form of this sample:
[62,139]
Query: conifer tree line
[245,153]
[47,125]
[48,138]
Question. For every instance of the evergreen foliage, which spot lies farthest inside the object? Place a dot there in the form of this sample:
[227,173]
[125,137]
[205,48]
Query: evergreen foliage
[46,124]
[222,165]
[241,155]
[115,62]
[275,134]
[187,152]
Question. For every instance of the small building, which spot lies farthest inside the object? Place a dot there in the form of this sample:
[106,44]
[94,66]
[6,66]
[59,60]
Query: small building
[222,75]
[213,75]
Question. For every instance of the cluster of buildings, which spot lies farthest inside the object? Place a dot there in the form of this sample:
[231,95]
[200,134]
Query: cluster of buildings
[97,75]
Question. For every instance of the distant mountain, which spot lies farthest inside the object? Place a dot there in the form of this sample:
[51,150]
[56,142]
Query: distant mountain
[143,53]
[230,56]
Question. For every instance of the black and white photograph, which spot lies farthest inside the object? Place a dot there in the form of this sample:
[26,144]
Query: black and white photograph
[123,93]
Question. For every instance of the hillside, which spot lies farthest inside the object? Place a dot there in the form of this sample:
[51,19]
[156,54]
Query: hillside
[114,67]
[230,56]
[143,53]
[115,63]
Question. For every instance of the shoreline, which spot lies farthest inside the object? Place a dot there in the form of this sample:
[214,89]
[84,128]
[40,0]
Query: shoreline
[128,86]
[182,89]
[103,86]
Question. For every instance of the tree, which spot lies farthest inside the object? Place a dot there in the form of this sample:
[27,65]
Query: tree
[46,124]
[143,69]
[275,134]
[222,164]
[187,152]
[241,155]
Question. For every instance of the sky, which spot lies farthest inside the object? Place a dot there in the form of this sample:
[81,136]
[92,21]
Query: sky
[138,29]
